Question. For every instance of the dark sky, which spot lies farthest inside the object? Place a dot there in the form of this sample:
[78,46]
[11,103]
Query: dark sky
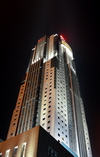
[23,23]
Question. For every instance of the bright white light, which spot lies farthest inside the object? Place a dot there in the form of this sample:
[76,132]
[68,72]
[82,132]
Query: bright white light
[68,51]
[33,49]
[55,35]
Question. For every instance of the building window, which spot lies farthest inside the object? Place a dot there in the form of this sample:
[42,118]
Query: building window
[52,153]
[49,116]
[11,134]
[43,124]
[48,127]
[23,149]
[15,149]
[7,153]
[0,154]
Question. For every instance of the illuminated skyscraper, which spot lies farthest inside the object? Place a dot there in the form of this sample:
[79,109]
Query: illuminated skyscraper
[49,96]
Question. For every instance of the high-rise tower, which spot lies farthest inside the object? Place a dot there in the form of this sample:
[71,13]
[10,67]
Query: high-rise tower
[49,96]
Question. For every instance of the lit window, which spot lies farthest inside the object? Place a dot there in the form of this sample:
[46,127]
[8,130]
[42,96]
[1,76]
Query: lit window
[23,149]
[0,154]
[7,153]
[15,149]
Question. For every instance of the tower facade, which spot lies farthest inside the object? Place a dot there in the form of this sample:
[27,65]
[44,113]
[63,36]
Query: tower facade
[49,96]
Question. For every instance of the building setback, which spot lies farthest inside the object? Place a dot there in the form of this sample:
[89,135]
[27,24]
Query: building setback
[35,142]
[49,96]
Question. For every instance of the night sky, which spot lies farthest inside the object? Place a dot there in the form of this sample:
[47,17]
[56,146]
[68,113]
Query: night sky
[23,23]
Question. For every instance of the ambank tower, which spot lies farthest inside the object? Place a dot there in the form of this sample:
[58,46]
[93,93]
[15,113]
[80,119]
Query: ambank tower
[49,96]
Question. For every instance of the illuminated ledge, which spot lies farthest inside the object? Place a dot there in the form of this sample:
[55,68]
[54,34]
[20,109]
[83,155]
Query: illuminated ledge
[67,148]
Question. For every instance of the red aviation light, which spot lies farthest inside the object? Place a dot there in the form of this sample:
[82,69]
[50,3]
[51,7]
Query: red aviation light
[62,37]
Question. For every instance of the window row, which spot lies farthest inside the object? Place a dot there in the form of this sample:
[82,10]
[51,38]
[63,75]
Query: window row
[7,154]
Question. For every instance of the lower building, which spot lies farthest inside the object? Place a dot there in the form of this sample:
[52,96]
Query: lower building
[35,142]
